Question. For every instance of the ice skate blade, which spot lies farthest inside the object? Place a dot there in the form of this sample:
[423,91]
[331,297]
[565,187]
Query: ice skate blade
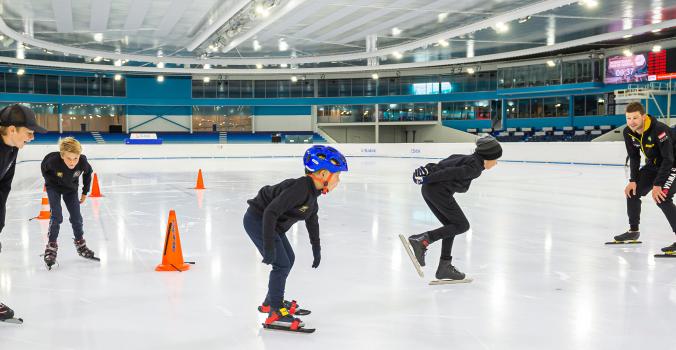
[409,251]
[13,320]
[623,242]
[287,329]
[666,255]
[440,282]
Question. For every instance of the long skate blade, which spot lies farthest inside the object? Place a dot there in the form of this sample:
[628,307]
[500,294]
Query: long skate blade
[287,329]
[95,258]
[13,320]
[440,282]
[623,242]
[666,255]
[409,251]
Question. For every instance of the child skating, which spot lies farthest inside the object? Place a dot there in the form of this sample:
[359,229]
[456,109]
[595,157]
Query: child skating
[440,182]
[62,171]
[17,128]
[273,211]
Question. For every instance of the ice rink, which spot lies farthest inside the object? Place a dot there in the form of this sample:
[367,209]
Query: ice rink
[543,279]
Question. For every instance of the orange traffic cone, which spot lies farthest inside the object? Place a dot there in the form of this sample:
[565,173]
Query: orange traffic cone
[96,191]
[44,209]
[172,256]
[200,181]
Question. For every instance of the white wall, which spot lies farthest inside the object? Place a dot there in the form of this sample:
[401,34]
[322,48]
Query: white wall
[159,124]
[351,134]
[283,123]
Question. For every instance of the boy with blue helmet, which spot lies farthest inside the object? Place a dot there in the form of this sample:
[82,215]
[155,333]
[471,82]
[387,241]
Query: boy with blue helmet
[273,211]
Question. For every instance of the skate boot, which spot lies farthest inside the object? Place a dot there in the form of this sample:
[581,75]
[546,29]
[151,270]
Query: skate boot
[629,237]
[5,312]
[281,319]
[292,306]
[419,245]
[446,271]
[50,254]
[83,251]
[670,249]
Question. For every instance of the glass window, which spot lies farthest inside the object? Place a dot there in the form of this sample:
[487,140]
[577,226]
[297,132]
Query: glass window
[579,105]
[308,88]
[259,88]
[407,112]
[345,113]
[2,82]
[53,84]
[283,88]
[197,89]
[595,105]
[508,77]
[93,117]
[584,73]
[513,109]
[332,88]
[344,87]
[483,81]
[523,108]
[394,86]
[107,88]
[210,89]
[221,118]
[93,86]
[537,108]
[553,75]
[247,88]
[569,72]
[382,86]
[81,86]
[40,84]
[470,83]
[226,87]
[67,85]
[296,88]
[120,87]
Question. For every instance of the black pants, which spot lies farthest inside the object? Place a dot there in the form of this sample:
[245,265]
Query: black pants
[284,258]
[644,186]
[440,200]
[73,205]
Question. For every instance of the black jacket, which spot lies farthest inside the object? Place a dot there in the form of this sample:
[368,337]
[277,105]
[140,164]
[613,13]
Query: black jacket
[455,172]
[7,166]
[657,146]
[286,203]
[58,177]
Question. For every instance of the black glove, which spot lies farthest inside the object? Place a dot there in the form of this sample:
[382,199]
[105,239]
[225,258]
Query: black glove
[420,175]
[317,254]
[269,255]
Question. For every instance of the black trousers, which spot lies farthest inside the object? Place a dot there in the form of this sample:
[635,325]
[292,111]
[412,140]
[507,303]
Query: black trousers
[644,186]
[442,204]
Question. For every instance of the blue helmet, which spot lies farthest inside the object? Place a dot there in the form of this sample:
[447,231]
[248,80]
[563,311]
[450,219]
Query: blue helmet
[324,157]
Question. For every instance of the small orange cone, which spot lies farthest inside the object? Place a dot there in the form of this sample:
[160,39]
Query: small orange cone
[44,209]
[200,181]
[172,256]
[96,191]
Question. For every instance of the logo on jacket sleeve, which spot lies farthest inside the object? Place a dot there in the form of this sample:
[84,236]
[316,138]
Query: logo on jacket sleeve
[77,173]
[303,208]
[663,136]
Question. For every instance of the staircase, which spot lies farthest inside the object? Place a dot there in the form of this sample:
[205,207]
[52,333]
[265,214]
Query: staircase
[97,136]
[223,137]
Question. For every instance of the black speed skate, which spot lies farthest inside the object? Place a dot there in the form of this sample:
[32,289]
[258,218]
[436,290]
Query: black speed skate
[50,254]
[448,274]
[7,315]
[282,320]
[669,252]
[419,245]
[292,306]
[83,251]
[629,237]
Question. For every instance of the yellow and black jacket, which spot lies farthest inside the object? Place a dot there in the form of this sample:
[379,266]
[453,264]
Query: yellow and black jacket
[657,146]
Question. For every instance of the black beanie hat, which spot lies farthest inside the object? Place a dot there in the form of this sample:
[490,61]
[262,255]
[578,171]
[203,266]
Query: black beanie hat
[488,148]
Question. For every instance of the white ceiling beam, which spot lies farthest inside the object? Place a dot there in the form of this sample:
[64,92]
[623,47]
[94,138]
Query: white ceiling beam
[214,27]
[63,14]
[138,9]
[100,13]
[174,13]
[276,15]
